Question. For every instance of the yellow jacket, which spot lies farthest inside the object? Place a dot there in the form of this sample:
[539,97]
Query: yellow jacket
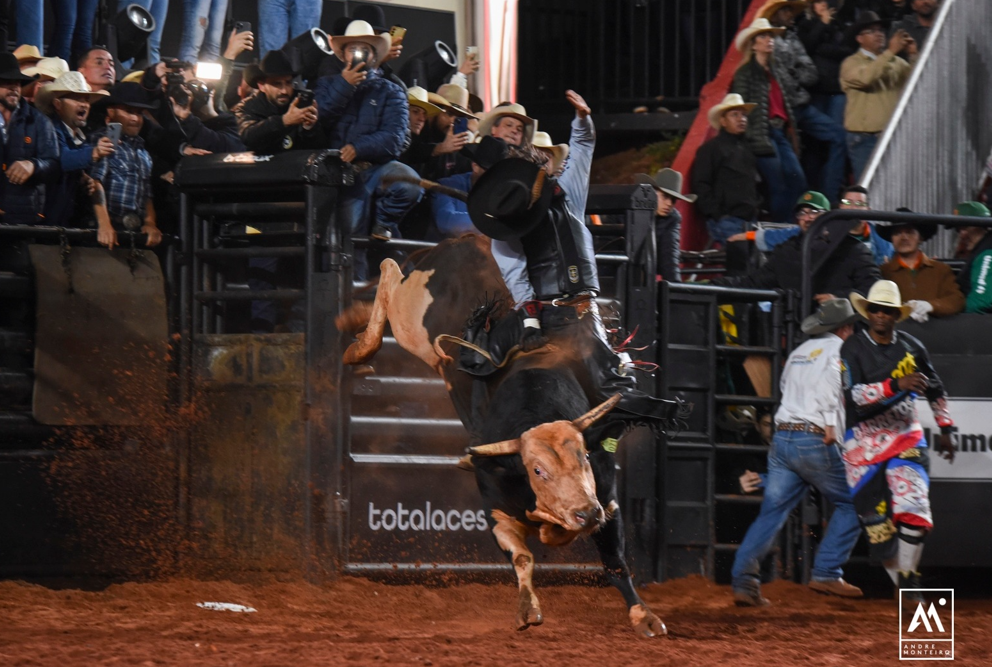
[873,87]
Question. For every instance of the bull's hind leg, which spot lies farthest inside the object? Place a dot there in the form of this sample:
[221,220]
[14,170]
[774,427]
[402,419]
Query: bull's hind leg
[511,535]
[370,341]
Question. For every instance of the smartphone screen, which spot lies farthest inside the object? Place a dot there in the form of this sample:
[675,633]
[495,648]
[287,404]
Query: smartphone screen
[114,132]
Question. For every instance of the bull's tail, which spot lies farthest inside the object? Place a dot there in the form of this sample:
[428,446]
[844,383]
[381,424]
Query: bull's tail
[355,318]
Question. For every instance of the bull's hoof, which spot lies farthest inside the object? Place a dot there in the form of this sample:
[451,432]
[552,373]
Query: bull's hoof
[355,354]
[645,623]
[528,612]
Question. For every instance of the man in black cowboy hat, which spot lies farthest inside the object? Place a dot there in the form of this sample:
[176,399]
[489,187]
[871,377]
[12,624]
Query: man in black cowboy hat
[872,79]
[30,149]
[516,203]
[272,120]
[125,199]
[926,284]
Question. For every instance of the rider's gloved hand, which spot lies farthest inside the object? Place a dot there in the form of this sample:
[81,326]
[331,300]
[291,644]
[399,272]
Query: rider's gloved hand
[530,316]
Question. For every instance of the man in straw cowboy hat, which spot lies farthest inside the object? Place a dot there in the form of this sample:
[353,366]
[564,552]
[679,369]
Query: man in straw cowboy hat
[46,70]
[872,79]
[67,102]
[772,130]
[725,173]
[928,285]
[976,275]
[508,121]
[885,452]
[446,159]
[30,151]
[513,257]
[809,426]
[367,116]
[420,151]
[667,185]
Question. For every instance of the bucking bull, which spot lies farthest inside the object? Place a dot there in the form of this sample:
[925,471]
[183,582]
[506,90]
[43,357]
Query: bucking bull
[538,474]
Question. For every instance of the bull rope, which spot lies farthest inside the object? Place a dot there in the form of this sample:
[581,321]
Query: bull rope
[432,186]
[447,338]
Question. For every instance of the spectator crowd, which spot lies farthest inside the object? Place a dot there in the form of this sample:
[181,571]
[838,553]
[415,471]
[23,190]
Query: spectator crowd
[815,87]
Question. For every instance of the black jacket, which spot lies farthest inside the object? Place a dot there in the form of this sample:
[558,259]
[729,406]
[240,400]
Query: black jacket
[262,131]
[850,268]
[668,237]
[828,46]
[724,176]
[911,24]
[30,136]
[964,275]
[753,83]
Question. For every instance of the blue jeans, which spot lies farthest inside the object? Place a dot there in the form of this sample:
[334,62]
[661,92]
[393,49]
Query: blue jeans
[281,20]
[73,29]
[722,229]
[30,22]
[832,105]
[860,146]
[820,126]
[389,204]
[203,29]
[158,9]
[797,461]
[783,175]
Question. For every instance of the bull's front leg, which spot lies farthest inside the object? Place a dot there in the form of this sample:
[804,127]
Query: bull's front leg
[511,536]
[610,541]
[370,341]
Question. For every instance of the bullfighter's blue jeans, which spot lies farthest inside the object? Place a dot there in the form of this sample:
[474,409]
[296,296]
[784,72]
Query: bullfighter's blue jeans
[369,202]
[797,461]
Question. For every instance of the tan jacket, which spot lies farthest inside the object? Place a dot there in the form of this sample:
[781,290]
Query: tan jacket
[873,88]
[933,282]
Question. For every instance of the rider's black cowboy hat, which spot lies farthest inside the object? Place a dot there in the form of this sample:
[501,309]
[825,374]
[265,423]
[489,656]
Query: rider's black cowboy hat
[510,199]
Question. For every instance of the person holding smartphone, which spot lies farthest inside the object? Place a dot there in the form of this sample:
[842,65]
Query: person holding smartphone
[123,198]
[367,116]
[872,79]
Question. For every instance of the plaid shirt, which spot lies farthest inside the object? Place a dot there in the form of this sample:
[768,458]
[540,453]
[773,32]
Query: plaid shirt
[125,175]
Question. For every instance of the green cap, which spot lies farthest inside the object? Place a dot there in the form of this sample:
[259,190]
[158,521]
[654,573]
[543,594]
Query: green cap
[813,199]
[972,209]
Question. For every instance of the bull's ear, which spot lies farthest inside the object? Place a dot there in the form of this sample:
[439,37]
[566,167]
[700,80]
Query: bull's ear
[597,413]
[497,448]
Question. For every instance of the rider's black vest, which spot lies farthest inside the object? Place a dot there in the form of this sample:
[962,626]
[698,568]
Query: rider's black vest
[559,262]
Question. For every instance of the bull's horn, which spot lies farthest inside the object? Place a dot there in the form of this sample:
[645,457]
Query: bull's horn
[597,413]
[497,448]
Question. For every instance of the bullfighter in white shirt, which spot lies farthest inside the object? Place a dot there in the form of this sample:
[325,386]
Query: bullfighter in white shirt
[805,452]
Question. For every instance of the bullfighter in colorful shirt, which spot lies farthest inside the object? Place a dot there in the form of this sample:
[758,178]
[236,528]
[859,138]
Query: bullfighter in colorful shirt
[885,452]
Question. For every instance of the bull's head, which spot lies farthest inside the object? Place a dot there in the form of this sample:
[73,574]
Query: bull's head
[557,464]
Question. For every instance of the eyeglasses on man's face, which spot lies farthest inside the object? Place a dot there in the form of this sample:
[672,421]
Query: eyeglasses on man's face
[875,309]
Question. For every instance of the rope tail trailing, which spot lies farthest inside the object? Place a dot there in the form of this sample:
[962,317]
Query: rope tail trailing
[432,186]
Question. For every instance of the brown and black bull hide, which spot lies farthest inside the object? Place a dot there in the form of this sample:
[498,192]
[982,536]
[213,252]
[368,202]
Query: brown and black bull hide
[538,476]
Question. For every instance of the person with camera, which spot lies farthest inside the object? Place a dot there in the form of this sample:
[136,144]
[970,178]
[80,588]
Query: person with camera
[67,102]
[367,117]
[278,117]
[124,200]
[872,79]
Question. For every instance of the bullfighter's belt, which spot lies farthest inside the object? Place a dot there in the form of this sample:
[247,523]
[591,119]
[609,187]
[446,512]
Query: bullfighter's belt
[804,427]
